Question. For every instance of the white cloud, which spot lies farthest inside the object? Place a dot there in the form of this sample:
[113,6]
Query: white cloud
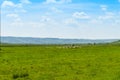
[95,21]
[54,9]
[9,7]
[108,19]
[80,15]
[8,4]
[70,21]
[20,10]
[14,17]
[58,1]
[50,1]
[66,1]
[103,7]
[117,21]
[108,15]
[25,1]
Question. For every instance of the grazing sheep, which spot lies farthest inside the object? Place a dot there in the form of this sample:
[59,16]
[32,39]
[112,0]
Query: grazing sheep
[70,46]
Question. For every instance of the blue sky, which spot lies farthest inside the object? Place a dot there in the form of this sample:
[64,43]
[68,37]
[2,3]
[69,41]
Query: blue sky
[86,19]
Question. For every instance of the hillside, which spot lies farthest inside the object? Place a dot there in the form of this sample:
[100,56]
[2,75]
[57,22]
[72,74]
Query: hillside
[30,40]
[117,42]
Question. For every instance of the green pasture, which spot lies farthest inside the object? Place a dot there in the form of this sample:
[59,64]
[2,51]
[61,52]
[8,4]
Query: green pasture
[60,62]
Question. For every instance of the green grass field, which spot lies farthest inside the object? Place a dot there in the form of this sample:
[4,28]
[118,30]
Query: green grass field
[60,62]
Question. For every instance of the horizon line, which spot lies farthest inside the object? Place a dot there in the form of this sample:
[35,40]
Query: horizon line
[61,37]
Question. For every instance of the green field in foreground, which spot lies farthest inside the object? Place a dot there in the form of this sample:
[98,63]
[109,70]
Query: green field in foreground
[60,62]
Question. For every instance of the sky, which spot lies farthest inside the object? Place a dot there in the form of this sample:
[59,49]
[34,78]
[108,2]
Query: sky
[80,19]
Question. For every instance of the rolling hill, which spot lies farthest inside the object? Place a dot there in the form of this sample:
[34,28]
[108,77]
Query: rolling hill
[30,40]
[116,42]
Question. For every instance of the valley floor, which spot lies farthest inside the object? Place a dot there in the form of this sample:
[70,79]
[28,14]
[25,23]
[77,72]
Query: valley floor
[60,62]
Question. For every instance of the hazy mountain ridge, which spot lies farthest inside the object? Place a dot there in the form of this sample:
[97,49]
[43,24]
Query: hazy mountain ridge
[30,40]
[117,42]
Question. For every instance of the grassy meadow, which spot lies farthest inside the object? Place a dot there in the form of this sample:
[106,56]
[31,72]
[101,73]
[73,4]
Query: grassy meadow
[60,62]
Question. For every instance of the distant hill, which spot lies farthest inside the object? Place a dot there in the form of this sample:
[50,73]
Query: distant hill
[116,42]
[30,40]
